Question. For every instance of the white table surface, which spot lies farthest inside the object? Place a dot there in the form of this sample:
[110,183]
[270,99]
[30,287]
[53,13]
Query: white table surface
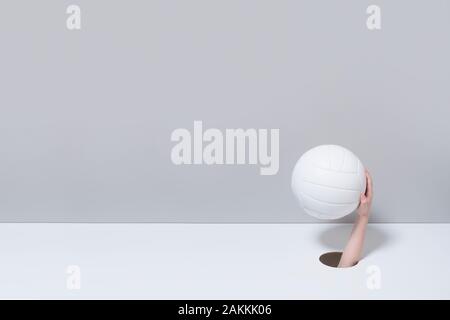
[228,261]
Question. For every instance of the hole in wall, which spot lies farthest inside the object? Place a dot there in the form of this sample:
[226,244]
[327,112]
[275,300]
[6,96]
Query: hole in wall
[331,259]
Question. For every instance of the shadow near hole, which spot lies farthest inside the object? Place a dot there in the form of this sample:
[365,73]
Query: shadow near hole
[335,238]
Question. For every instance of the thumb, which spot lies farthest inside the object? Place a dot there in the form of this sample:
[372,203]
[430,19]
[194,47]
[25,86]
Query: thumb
[363,198]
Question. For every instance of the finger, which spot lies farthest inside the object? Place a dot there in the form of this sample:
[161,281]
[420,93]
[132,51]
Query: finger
[369,188]
[363,198]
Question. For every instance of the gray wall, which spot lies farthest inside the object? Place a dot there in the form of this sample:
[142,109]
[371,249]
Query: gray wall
[86,116]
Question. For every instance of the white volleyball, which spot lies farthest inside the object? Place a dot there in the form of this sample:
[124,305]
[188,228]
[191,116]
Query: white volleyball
[328,181]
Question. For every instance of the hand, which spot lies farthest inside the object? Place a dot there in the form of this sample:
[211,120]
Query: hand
[366,198]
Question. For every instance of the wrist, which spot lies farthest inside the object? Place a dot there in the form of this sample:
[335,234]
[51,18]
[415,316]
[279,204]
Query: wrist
[363,217]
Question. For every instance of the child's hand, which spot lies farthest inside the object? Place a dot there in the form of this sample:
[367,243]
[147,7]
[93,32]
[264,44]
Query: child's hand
[366,199]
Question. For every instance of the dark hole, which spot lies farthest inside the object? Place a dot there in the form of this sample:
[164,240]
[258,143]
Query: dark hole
[331,259]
